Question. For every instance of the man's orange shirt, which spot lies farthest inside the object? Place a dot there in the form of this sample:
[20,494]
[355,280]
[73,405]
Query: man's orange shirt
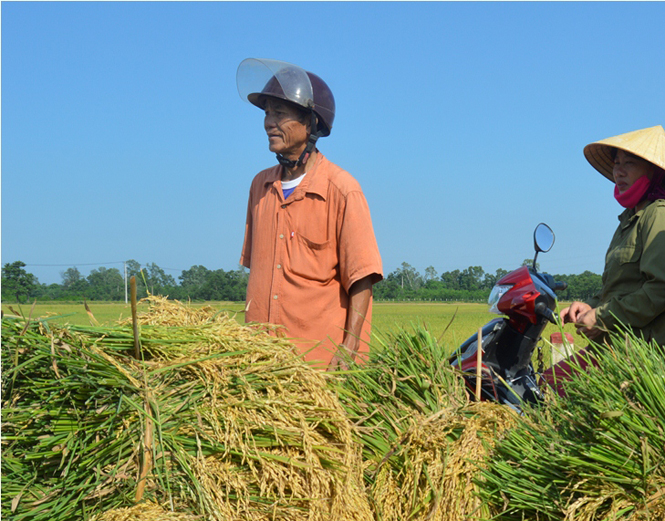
[304,253]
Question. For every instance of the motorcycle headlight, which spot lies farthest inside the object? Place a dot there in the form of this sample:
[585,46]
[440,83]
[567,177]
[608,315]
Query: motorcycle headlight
[498,291]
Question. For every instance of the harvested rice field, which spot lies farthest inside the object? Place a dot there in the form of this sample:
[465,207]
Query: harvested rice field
[215,420]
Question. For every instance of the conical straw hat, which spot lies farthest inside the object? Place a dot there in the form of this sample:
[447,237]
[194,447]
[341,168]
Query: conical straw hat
[648,143]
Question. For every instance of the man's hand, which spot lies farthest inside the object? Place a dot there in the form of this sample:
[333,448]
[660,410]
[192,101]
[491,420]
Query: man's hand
[360,295]
[341,358]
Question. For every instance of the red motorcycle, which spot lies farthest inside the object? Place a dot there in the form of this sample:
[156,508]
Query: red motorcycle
[528,301]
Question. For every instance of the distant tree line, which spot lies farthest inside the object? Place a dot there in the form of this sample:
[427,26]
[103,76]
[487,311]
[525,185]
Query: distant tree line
[200,283]
[470,284]
[196,283]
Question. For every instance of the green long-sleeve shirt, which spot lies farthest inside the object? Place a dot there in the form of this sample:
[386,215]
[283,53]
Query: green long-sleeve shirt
[633,290]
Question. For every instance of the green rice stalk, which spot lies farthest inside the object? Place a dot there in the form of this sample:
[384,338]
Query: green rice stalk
[422,440]
[596,454]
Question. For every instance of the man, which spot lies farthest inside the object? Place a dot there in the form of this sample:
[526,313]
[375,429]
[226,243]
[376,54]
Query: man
[309,242]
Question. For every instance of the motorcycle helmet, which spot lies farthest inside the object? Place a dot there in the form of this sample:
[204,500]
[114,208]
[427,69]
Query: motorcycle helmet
[258,79]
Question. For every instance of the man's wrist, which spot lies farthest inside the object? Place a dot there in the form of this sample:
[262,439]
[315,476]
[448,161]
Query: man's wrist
[350,351]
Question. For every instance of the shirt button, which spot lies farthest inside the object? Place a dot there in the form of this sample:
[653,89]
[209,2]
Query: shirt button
[283,206]
[281,235]
[279,266]
[275,297]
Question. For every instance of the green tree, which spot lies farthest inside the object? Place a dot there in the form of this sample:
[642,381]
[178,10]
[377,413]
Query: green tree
[587,285]
[490,280]
[451,279]
[580,287]
[70,276]
[409,277]
[432,290]
[51,292]
[73,283]
[106,284]
[471,279]
[529,263]
[430,273]
[134,270]
[387,289]
[193,280]
[159,283]
[225,285]
[16,282]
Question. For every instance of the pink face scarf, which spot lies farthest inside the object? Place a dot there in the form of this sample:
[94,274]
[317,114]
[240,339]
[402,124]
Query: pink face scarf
[642,189]
[631,197]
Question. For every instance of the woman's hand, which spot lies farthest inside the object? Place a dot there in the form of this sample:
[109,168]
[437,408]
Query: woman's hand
[587,325]
[584,317]
[573,312]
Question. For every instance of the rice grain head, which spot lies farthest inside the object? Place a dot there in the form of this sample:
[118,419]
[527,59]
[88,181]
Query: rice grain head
[438,460]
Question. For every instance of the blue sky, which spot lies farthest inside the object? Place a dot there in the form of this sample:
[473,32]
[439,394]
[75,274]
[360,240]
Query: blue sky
[124,137]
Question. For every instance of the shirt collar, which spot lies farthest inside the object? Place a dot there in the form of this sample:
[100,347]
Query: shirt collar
[314,182]
[629,215]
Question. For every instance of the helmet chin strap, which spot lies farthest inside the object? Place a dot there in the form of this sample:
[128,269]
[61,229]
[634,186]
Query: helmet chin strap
[311,142]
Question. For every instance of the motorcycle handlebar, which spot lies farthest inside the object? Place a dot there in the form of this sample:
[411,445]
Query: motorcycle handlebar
[549,280]
[560,286]
[542,309]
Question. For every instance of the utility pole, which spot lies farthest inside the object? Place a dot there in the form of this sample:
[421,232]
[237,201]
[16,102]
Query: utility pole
[125,263]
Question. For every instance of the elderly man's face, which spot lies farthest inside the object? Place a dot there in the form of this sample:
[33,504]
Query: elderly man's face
[287,132]
[628,169]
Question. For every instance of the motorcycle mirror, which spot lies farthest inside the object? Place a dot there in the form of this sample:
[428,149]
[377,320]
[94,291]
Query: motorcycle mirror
[543,238]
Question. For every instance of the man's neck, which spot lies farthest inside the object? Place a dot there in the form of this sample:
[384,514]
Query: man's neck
[289,174]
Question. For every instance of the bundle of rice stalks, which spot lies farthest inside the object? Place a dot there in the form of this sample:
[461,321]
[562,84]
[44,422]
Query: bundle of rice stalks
[407,376]
[218,420]
[165,312]
[423,441]
[598,454]
[430,475]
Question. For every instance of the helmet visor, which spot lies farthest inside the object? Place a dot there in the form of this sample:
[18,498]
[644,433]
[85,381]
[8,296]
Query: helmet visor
[257,78]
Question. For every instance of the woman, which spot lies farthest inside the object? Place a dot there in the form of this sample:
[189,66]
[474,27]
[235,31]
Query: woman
[633,291]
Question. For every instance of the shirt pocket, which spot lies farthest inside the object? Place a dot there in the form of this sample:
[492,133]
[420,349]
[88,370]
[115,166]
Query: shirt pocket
[630,251]
[627,254]
[312,260]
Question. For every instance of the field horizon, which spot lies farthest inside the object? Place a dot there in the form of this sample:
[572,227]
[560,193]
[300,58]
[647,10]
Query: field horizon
[449,322]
